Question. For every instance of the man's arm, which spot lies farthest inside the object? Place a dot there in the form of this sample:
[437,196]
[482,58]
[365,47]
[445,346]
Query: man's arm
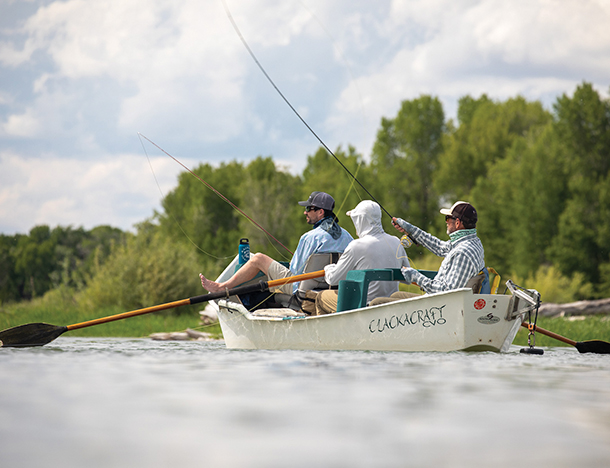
[433,244]
[454,273]
[338,271]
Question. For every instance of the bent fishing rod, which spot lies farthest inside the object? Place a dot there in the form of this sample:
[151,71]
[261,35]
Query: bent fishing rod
[262,69]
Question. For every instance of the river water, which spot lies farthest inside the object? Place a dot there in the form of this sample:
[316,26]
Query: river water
[100,402]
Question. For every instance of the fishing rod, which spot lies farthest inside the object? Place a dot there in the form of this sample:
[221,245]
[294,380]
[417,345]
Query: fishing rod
[217,193]
[243,40]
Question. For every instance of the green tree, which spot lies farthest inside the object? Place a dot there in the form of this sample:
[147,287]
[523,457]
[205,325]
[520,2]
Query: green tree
[9,285]
[271,196]
[520,201]
[324,174]
[583,126]
[34,262]
[487,129]
[404,158]
[146,270]
[75,249]
[198,213]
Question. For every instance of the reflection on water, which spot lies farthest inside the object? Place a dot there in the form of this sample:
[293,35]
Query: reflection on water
[81,402]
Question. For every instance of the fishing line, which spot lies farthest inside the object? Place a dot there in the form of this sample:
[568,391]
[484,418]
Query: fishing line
[171,214]
[243,40]
[217,193]
[355,83]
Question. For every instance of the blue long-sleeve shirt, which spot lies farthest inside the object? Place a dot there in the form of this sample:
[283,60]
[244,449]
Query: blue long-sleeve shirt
[316,241]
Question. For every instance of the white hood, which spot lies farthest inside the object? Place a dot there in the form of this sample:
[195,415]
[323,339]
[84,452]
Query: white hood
[367,218]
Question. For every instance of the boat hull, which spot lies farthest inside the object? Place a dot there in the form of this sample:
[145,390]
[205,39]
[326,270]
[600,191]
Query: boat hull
[451,321]
[448,321]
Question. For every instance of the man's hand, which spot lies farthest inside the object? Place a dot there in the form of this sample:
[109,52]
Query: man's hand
[408,273]
[398,226]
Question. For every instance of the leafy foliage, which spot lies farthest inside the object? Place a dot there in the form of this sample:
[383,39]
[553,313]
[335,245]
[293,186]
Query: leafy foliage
[31,265]
[405,157]
[540,181]
[145,271]
[583,127]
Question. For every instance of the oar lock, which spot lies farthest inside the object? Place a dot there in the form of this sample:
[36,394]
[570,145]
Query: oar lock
[532,297]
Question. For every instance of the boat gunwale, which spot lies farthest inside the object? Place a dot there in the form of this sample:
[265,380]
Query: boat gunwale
[224,303]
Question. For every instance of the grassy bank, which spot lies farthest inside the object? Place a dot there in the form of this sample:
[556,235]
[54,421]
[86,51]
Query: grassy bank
[67,314]
[577,328]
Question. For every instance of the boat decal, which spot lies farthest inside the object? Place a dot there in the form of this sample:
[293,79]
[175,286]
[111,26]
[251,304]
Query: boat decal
[479,304]
[488,319]
[424,317]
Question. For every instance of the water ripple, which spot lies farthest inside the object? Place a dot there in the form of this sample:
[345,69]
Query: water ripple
[101,402]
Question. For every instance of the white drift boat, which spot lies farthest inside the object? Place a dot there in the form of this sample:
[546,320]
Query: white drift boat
[448,321]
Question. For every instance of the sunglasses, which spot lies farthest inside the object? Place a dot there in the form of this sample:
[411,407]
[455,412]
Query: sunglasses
[448,217]
[312,208]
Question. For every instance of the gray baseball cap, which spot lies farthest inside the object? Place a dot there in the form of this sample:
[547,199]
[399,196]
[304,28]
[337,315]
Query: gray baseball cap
[319,200]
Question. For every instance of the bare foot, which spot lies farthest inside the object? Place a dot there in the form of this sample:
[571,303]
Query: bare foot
[211,286]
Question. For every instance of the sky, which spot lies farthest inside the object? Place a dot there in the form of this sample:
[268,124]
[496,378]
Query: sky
[81,81]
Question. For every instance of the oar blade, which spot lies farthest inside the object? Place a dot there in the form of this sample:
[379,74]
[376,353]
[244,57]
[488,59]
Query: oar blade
[29,335]
[593,346]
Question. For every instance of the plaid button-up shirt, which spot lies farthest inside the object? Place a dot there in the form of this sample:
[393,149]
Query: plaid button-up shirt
[464,259]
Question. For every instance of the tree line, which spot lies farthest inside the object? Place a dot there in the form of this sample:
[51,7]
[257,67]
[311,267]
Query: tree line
[539,179]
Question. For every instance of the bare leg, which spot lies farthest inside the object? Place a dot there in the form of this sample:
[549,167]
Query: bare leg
[258,262]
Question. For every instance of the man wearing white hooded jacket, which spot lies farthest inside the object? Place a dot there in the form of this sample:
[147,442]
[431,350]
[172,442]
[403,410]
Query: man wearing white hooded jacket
[374,248]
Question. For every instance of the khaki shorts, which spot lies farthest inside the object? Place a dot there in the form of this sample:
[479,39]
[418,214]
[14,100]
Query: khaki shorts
[279,271]
[326,302]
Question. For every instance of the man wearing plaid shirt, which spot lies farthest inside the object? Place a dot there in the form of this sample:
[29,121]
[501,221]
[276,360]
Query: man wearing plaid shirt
[464,255]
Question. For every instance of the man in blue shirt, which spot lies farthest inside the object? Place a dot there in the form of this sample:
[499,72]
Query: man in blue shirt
[326,236]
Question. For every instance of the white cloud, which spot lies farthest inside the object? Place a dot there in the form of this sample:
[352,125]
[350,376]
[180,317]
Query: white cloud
[117,190]
[79,79]
[536,49]
[22,125]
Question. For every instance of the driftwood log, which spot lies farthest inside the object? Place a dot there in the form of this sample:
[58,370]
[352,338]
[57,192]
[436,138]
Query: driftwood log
[186,335]
[600,306]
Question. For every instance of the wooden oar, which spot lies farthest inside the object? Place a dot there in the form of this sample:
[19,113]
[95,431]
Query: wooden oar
[589,346]
[39,334]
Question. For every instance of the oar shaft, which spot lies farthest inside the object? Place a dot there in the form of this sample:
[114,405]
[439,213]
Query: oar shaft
[294,279]
[261,286]
[551,334]
[133,313]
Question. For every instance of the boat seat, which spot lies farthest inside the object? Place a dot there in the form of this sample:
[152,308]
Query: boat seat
[480,282]
[354,289]
[317,262]
[476,282]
